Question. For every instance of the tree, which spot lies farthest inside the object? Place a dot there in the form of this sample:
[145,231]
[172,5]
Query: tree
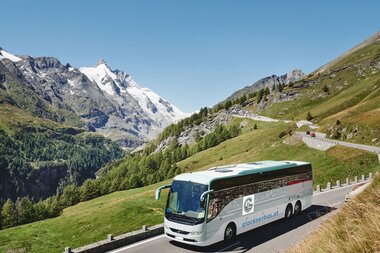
[260,95]
[266,91]
[25,210]
[1,218]
[280,87]
[228,104]
[9,214]
[89,190]
[255,126]
[338,122]
[325,88]
[273,87]
[309,116]
[70,195]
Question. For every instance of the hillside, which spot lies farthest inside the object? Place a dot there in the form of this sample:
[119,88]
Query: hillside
[347,89]
[42,147]
[353,229]
[76,226]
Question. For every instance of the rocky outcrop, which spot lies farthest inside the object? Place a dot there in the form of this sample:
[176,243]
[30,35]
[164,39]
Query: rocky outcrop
[268,82]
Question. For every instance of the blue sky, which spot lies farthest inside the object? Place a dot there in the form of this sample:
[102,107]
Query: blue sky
[193,53]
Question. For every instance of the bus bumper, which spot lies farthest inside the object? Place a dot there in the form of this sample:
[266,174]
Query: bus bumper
[193,235]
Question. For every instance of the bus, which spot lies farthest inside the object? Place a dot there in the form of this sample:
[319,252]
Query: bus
[206,207]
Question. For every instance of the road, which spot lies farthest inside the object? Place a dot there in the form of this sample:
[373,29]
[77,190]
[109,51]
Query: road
[275,237]
[322,140]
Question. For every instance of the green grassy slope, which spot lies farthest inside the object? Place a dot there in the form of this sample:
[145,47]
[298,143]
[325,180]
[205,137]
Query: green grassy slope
[353,97]
[116,213]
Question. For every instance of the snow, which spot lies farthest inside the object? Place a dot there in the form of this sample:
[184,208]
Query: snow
[144,95]
[98,74]
[105,78]
[71,83]
[9,56]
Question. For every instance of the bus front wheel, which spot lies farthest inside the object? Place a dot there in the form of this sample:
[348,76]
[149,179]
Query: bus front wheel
[230,232]
[288,211]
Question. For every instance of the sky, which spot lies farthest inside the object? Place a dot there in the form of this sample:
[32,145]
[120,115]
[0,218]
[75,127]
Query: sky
[192,53]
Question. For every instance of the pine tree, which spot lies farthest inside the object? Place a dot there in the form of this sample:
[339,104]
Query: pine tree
[280,87]
[25,210]
[9,214]
[255,126]
[309,116]
[260,95]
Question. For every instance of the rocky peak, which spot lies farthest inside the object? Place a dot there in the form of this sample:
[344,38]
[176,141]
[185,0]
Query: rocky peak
[294,75]
[101,62]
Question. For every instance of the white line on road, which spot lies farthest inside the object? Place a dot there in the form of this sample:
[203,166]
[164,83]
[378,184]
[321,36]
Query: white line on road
[230,246]
[137,244]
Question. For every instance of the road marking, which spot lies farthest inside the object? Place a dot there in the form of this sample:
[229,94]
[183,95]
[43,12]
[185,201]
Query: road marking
[230,246]
[137,244]
[342,187]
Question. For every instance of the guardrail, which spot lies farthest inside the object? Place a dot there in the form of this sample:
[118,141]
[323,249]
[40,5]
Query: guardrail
[338,183]
[112,242]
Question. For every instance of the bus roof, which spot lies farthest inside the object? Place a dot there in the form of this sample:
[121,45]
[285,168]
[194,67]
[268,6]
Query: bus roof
[205,177]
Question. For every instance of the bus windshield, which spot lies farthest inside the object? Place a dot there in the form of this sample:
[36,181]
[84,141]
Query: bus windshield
[184,200]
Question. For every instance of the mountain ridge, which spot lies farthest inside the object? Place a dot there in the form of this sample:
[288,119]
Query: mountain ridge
[102,100]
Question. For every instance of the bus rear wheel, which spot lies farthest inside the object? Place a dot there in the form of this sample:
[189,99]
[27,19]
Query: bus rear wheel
[230,232]
[288,211]
[297,207]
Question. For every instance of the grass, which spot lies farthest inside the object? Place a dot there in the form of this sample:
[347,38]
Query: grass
[353,96]
[87,222]
[125,211]
[354,229]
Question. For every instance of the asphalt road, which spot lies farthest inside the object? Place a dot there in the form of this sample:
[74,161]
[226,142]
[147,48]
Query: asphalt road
[322,138]
[274,237]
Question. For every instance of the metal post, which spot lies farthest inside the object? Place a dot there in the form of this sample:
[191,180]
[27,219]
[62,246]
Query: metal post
[363,178]
[318,188]
[328,187]
[347,181]
[338,183]
[68,250]
[110,237]
[144,228]
[370,176]
[356,179]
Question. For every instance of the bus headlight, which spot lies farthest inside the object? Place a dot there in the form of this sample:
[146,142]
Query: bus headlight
[196,233]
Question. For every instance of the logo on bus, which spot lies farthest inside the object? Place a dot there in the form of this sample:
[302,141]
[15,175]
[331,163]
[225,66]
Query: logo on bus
[248,204]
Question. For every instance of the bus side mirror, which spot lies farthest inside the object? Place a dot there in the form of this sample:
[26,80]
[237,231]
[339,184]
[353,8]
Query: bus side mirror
[158,191]
[203,198]
[202,203]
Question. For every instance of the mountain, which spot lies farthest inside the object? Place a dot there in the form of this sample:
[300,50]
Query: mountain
[268,82]
[107,101]
[118,86]
[52,117]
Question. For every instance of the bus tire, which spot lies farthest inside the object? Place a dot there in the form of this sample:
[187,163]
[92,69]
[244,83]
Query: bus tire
[230,232]
[297,207]
[288,211]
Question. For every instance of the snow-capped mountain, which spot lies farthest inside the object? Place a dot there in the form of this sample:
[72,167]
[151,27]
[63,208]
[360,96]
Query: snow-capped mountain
[108,101]
[5,54]
[119,86]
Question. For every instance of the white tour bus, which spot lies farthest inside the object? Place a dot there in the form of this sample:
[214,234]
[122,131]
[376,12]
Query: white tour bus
[209,206]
